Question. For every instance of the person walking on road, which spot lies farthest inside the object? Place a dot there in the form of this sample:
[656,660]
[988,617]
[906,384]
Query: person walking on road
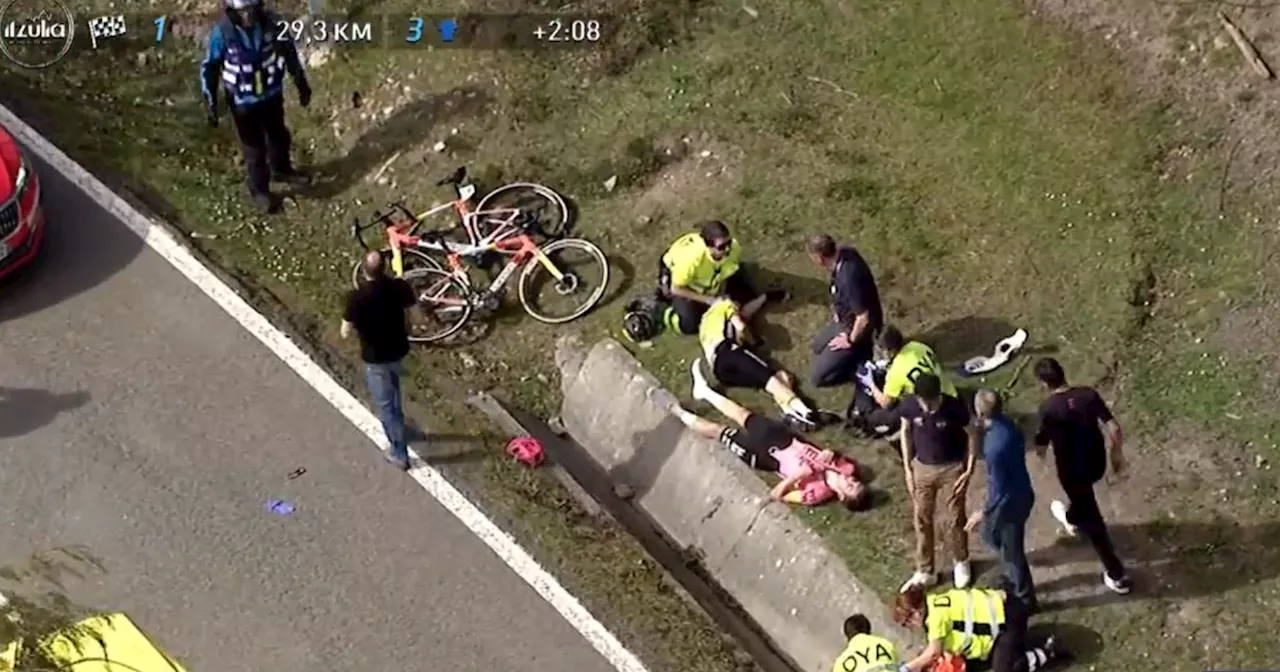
[939,451]
[376,313]
[1009,495]
[1073,421]
[865,652]
[248,56]
[848,340]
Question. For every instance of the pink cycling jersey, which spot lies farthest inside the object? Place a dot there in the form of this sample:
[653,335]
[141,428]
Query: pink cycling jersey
[793,460]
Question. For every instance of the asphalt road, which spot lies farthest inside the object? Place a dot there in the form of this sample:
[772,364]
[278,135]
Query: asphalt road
[140,422]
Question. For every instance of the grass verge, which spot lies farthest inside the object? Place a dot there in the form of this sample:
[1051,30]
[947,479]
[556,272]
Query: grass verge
[997,171]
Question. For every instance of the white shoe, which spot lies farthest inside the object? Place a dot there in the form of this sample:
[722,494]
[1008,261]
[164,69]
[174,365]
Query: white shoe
[701,390]
[1059,511]
[919,580]
[962,574]
[1120,586]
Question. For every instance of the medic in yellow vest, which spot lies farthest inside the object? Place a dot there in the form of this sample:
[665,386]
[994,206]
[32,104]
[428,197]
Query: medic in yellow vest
[976,624]
[865,652]
[701,268]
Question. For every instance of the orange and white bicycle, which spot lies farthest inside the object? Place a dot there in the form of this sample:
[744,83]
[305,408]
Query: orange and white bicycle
[544,209]
[447,297]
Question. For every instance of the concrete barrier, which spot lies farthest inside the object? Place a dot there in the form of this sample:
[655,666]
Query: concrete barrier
[779,571]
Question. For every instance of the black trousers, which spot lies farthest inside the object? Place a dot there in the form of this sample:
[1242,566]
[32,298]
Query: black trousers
[264,140]
[737,287]
[1009,654]
[864,410]
[1084,513]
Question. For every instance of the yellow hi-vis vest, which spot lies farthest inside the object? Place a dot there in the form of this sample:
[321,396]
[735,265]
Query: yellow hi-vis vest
[868,653]
[692,267]
[716,326]
[967,621]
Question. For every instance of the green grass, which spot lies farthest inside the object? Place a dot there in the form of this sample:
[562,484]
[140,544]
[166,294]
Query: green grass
[996,171]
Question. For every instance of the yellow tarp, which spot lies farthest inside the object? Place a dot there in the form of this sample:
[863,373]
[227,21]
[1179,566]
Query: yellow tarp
[103,643]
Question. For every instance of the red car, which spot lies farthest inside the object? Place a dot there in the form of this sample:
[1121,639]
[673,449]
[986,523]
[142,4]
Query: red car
[21,217]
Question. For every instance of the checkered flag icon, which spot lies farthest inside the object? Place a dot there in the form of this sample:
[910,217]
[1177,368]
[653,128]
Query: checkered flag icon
[106,26]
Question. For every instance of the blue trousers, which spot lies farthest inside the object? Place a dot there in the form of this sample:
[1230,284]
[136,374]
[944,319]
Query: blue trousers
[1006,533]
[384,386]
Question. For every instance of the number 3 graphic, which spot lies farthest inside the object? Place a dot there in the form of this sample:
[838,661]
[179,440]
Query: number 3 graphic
[415,30]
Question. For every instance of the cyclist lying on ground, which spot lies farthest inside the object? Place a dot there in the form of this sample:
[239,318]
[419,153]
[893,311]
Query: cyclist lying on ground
[722,334]
[980,625]
[809,476]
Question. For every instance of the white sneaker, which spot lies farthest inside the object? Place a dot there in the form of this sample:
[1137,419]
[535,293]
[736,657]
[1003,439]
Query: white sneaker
[962,574]
[1059,511]
[1120,586]
[919,580]
[701,389]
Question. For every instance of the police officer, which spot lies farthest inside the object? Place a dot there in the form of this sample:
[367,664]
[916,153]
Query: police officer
[865,652]
[250,57]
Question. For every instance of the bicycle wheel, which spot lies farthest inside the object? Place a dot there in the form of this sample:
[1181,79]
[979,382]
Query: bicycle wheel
[549,209]
[412,259]
[586,275]
[443,306]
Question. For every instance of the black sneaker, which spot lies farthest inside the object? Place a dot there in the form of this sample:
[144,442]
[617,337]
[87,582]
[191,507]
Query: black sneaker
[265,203]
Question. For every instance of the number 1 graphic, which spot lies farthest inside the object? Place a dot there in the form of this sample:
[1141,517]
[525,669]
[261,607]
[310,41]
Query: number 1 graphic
[160,24]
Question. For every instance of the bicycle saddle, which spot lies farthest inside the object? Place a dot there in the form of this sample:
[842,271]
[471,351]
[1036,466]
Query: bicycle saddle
[455,178]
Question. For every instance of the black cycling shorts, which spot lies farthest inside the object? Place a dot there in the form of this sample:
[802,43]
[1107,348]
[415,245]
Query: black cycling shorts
[736,366]
[756,441]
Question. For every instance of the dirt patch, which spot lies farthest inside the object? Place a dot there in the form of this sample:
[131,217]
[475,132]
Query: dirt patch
[708,168]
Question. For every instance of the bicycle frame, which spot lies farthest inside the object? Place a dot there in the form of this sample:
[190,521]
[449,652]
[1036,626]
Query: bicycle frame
[506,239]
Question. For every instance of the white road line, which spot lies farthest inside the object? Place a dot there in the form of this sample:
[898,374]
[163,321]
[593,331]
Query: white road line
[159,239]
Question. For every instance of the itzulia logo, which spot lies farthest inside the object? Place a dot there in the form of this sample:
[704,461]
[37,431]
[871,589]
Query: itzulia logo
[42,27]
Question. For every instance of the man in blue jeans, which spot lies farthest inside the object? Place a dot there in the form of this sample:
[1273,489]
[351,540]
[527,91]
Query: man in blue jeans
[376,313]
[1009,495]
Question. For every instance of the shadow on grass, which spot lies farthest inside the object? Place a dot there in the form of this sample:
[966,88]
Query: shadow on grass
[626,279]
[959,339]
[406,128]
[1082,644]
[1169,559]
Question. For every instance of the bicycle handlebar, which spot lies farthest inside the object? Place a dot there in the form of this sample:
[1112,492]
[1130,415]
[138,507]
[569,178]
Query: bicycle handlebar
[386,219]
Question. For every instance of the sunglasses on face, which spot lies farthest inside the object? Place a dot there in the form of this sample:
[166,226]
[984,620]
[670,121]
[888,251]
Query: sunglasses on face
[722,245]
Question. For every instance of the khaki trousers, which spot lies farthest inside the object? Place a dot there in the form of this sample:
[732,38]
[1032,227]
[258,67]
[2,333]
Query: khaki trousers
[930,482]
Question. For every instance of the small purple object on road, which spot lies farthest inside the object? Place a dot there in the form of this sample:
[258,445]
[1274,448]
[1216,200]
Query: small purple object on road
[279,507]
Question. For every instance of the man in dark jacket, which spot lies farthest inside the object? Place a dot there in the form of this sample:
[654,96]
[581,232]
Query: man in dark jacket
[247,58]
[1009,495]
[1072,421]
[376,313]
[856,316]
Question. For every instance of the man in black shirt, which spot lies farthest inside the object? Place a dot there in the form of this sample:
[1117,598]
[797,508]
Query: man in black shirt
[847,341]
[939,451]
[376,312]
[1073,420]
